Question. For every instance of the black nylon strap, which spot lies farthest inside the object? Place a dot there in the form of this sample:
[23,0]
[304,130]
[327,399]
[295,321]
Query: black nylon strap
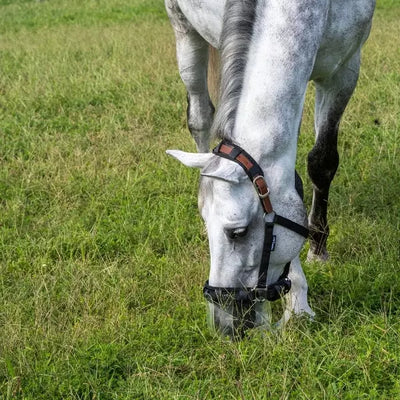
[293,226]
[244,296]
[267,248]
[235,152]
[285,272]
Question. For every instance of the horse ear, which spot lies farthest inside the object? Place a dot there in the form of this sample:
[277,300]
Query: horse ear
[220,168]
[211,165]
[193,160]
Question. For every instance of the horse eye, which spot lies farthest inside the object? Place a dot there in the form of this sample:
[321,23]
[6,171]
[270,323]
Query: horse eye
[236,232]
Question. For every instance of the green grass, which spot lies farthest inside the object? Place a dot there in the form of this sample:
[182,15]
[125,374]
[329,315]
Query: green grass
[103,253]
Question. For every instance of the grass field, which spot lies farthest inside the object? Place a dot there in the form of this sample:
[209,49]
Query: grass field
[103,253]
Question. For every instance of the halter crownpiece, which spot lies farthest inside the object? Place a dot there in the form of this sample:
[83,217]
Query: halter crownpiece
[262,292]
[235,153]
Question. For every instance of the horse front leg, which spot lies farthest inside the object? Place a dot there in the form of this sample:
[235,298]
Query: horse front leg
[332,97]
[192,55]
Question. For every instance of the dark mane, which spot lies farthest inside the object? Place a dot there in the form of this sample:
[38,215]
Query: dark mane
[237,32]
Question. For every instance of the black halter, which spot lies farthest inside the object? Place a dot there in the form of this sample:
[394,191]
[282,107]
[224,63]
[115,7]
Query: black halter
[262,292]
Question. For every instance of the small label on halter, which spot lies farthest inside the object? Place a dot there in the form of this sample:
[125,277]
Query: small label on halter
[273,242]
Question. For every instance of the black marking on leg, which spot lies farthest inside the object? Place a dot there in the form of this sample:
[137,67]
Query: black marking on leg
[323,161]
[322,165]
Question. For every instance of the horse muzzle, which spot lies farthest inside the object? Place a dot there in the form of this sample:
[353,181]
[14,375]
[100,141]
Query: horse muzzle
[231,320]
[234,318]
[232,311]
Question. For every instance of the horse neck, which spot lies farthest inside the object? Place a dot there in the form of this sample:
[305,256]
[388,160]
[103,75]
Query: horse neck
[280,59]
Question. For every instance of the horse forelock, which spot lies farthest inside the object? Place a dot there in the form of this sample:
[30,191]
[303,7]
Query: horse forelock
[236,36]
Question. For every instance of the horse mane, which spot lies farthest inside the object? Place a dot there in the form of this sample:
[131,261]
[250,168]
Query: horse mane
[237,31]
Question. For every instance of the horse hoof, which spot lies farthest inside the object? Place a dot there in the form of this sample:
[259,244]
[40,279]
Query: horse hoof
[306,315]
[321,257]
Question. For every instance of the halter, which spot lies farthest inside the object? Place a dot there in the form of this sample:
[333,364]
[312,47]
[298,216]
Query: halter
[261,292]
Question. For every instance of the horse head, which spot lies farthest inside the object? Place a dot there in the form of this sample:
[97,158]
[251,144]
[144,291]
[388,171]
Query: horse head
[236,226]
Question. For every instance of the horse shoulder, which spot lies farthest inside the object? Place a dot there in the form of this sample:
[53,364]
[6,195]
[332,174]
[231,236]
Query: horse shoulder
[205,16]
[347,28]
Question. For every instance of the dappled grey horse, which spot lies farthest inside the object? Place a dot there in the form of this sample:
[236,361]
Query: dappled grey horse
[270,49]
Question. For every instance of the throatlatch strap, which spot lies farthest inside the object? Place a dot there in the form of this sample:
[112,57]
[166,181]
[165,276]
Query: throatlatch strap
[293,226]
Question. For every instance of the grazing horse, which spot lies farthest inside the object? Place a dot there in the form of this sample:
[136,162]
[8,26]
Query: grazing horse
[270,49]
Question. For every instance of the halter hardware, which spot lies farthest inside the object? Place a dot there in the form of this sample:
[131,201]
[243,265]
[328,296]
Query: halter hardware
[260,194]
[262,292]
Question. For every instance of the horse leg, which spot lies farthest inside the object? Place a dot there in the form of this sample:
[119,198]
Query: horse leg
[192,56]
[332,96]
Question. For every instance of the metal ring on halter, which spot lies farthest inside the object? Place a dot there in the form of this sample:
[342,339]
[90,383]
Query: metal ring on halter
[263,196]
[258,177]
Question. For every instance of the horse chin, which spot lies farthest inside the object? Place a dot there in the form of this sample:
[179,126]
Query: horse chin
[235,319]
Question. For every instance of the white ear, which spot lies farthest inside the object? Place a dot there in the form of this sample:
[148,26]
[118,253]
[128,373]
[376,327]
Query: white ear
[194,160]
[211,165]
[226,170]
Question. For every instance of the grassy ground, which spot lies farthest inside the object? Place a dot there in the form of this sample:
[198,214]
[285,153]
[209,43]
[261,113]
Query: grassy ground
[102,251]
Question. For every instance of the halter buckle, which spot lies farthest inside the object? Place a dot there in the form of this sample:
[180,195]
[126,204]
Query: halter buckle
[261,195]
